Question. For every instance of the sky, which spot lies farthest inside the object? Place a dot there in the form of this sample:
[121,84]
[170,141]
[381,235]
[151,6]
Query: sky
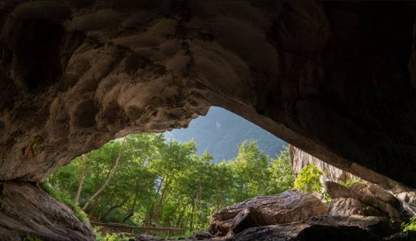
[220,132]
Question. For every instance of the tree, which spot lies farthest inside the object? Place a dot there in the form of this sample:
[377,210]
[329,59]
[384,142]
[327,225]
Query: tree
[281,174]
[81,179]
[147,180]
[250,170]
[308,179]
[108,178]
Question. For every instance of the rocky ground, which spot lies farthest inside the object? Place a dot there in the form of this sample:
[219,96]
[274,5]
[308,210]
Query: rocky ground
[361,212]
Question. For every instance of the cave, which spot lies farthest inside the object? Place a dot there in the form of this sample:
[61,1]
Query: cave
[335,79]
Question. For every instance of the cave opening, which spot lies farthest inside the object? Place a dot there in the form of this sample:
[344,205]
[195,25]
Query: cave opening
[219,177]
[175,179]
[337,80]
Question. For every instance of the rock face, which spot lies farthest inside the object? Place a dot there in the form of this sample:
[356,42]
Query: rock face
[391,192]
[408,200]
[28,211]
[299,159]
[327,77]
[287,207]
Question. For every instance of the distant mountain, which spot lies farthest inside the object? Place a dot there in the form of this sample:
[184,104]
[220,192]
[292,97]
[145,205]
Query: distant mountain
[221,132]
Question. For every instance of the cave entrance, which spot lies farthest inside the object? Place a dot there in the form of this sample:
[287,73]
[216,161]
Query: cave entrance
[178,178]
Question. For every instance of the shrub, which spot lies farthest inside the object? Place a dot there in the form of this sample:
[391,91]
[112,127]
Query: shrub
[32,239]
[409,226]
[308,180]
[349,183]
[110,237]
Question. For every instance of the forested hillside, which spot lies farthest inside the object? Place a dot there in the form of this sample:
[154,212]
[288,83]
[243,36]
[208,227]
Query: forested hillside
[220,132]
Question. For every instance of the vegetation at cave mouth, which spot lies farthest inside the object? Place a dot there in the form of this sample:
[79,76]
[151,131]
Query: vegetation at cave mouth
[146,180]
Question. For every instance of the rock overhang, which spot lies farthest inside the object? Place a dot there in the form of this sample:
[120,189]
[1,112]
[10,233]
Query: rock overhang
[326,77]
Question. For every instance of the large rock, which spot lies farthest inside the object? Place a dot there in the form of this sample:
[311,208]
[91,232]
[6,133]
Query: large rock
[28,211]
[201,235]
[361,199]
[289,206]
[322,228]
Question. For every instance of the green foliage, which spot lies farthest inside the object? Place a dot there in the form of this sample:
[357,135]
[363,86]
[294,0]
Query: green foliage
[250,169]
[165,183]
[63,197]
[32,239]
[409,226]
[349,182]
[281,174]
[110,237]
[308,180]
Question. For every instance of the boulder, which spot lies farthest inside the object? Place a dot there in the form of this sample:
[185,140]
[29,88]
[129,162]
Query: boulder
[361,200]
[322,228]
[201,235]
[375,191]
[346,207]
[287,207]
[378,226]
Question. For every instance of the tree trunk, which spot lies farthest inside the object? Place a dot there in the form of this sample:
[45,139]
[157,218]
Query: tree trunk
[195,206]
[111,173]
[149,217]
[114,207]
[159,206]
[131,210]
[81,179]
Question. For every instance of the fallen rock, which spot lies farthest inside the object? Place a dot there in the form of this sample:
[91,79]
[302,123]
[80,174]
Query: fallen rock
[290,206]
[201,235]
[379,226]
[346,207]
[247,218]
[361,200]
[320,228]
[375,191]
[304,232]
